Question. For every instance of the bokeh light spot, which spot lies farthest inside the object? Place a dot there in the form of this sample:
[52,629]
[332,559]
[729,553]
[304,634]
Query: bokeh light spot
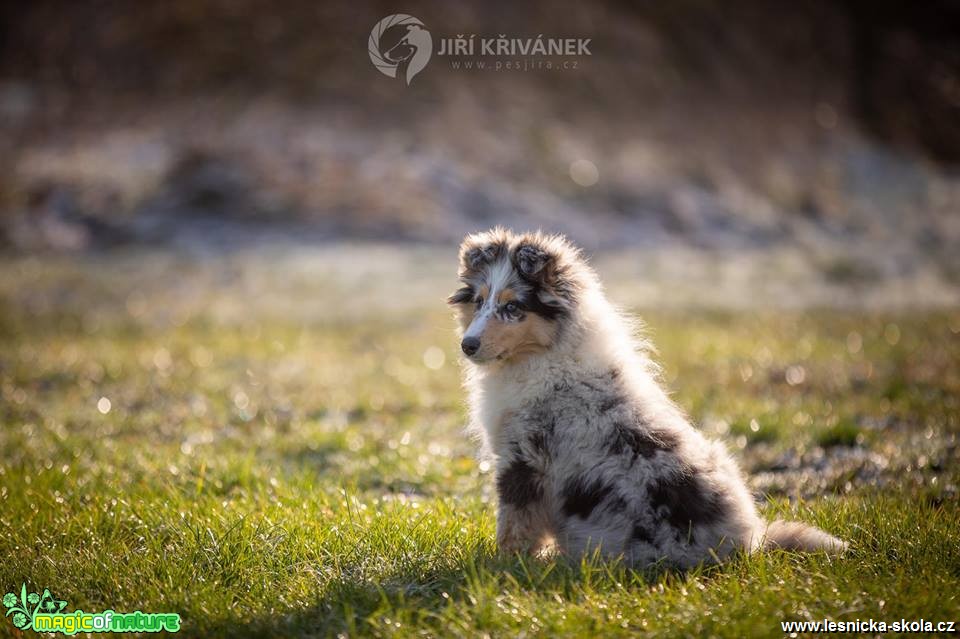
[584,172]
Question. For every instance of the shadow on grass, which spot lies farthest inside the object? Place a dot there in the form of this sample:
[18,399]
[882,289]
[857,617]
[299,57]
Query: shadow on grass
[354,604]
[348,602]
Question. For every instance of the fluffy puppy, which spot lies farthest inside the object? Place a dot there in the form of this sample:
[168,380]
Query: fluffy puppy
[589,451]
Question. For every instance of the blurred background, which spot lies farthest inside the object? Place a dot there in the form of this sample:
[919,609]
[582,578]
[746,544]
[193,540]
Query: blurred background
[226,240]
[735,153]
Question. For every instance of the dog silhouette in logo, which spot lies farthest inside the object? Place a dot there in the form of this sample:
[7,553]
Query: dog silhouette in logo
[400,46]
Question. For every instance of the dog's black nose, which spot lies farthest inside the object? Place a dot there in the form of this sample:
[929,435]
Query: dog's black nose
[470,345]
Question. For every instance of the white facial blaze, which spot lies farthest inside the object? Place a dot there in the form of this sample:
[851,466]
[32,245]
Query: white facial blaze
[479,322]
[498,277]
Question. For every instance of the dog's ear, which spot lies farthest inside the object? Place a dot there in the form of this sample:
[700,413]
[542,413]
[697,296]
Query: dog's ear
[476,257]
[533,261]
[536,261]
[552,264]
[481,249]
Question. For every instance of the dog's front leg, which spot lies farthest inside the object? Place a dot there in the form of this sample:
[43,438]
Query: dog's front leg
[521,529]
[523,524]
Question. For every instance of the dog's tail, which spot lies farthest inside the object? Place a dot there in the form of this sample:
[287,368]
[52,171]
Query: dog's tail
[795,535]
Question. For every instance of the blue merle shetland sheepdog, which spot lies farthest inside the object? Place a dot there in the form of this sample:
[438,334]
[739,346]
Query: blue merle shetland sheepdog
[589,451]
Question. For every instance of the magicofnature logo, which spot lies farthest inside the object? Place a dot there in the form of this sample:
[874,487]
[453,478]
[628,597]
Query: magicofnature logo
[44,613]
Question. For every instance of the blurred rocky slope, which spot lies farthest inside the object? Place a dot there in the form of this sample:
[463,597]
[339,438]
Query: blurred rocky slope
[827,130]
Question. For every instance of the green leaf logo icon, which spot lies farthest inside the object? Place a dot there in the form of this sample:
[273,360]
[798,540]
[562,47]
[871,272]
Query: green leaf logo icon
[23,608]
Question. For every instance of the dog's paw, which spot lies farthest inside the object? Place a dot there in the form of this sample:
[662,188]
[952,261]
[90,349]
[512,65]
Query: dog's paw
[548,551]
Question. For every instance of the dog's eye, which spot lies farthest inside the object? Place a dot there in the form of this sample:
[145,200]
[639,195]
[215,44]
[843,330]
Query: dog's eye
[479,302]
[511,307]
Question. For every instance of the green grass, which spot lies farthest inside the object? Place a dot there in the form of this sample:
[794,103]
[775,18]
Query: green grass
[275,478]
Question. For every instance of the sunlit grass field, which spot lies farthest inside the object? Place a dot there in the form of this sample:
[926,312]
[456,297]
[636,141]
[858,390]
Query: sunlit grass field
[278,477]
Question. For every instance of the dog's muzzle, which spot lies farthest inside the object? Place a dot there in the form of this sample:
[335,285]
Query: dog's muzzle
[470,345]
